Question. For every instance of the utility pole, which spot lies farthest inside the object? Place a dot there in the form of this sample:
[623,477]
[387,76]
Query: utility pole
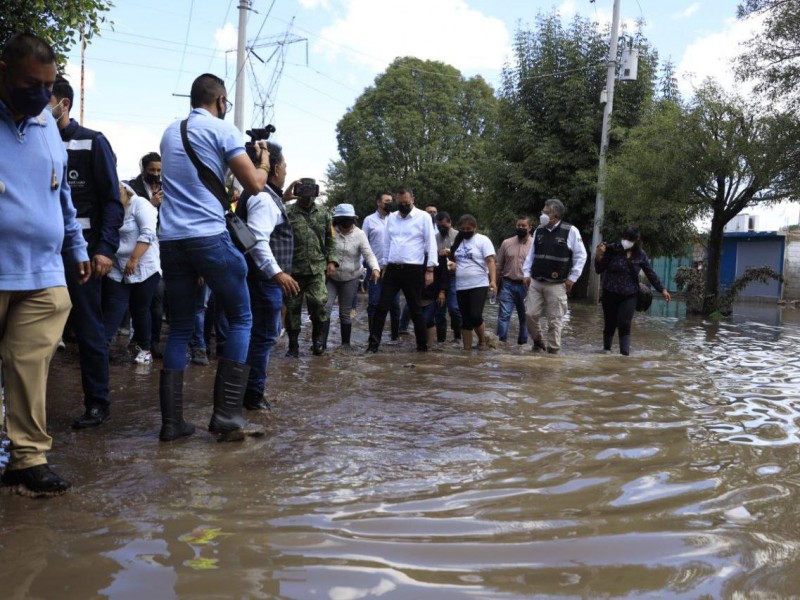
[238,109]
[599,208]
[83,69]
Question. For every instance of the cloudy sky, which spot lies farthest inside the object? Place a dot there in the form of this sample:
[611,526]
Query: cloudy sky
[155,49]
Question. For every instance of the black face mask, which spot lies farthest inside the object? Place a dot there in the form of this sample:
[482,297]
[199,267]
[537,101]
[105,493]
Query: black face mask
[344,222]
[521,233]
[444,230]
[30,101]
[151,178]
[404,209]
[467,234]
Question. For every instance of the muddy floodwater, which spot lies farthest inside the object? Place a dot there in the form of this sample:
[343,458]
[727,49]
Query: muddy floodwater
[672,473]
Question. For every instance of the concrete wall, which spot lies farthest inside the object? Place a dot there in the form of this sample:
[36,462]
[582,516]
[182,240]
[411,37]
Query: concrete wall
[791,270]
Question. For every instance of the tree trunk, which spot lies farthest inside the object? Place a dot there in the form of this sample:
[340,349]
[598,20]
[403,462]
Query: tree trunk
[714,251]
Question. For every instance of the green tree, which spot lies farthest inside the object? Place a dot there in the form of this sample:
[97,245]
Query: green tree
[59,23]
[713,158]
[551,118]
[772,58]
[422,124]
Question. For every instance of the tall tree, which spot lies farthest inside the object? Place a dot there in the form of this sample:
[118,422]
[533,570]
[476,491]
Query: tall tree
[551,117]
[59,23]
[715,157]
[421,124]
[773,57]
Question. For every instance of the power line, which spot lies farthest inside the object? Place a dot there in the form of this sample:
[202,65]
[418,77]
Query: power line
[185,42]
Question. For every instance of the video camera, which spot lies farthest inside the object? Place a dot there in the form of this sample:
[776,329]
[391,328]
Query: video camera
[256,135]
[306,188]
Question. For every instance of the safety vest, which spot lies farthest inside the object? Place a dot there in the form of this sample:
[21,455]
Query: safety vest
[552,258]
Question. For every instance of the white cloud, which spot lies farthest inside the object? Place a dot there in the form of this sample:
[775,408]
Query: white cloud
[315,3]
[446,30]
[713,54]
[226,38]
[688,11]
[129,142]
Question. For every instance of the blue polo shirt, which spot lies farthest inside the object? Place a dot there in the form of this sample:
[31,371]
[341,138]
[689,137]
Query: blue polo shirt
[37,222]
[188,209]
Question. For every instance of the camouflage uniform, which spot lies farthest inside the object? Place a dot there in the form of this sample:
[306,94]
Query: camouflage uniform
[312,228]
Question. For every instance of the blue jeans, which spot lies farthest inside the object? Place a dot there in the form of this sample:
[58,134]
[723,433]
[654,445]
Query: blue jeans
[86,321]
[266,300]
[374,290]
[117,296]
[512,295]
[224,269]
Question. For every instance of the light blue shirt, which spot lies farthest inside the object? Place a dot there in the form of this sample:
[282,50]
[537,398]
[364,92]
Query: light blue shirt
[374,228]
[188,209]
[37,222]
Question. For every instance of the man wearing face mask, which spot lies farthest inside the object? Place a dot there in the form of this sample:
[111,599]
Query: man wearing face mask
[510,260]
[445,238]
[34,302]
[195,242]
[94,185]
[553,265]
[374,228]
[409,259]
[314,259]
[148,183]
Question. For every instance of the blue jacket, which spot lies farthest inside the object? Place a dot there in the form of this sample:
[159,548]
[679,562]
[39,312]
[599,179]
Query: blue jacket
[37,222]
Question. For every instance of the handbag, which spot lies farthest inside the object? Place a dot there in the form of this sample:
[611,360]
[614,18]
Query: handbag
[644,295]
[242,236]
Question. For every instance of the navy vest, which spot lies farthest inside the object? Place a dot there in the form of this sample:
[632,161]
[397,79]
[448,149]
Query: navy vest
[281,240]
[552,256]
[80,176]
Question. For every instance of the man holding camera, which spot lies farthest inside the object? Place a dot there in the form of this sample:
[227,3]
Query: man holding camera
[195,242]
[314,259]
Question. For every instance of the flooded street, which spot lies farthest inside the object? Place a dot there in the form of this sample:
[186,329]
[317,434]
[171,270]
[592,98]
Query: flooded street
[672,473]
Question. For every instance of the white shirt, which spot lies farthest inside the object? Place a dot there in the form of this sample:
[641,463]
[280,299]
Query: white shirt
[408,239]
[471,255]
[374,227]
[574,242]
[263,215]
[138,225]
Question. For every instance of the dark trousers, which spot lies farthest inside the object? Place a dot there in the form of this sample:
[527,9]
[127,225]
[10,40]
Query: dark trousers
[118,296]
[86,322]
[157,308]
[617,315]
[470,303]
[410,280]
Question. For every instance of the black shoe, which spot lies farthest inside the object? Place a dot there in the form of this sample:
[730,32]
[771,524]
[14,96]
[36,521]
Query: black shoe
[94,416]
[522,341]
[36,481]
[538,346]
[294,344]
[372,347]
[156,351]
[422,347]
[552,351]
[255,401]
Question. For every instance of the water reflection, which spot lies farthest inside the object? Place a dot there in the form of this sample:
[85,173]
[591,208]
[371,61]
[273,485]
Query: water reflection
[501,474]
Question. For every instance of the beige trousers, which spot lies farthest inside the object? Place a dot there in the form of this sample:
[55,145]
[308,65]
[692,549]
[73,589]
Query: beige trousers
[31,323]
[552,299]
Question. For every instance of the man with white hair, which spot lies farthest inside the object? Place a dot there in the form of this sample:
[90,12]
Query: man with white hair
[555,262]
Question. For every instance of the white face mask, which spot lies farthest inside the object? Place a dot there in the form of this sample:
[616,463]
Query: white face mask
[544,220]
[627,244]
[52,109]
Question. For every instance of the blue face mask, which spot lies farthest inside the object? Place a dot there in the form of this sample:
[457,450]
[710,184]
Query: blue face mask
[30,101]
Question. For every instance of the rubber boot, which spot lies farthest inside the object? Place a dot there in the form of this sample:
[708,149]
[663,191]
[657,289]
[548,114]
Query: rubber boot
[170,394]
[607,340]
[317,337]
[229,387]
[294,344]
[347,329]
[441,332]
[625,345]
[395,324]
[326,328]
[456,331]
[466,337]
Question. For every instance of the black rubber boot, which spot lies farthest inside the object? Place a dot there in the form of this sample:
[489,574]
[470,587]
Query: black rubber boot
[395,325]
[347,329]
[255,401]
[326,328]
[229,387]
[170,394]
[607,340]
[318,337]
[441,332]
[625,345]
[457,332]
[294,344]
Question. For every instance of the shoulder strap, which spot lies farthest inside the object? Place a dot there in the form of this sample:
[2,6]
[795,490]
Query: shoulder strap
[206,175]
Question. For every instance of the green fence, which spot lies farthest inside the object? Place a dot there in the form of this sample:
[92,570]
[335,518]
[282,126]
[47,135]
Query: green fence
[666,267]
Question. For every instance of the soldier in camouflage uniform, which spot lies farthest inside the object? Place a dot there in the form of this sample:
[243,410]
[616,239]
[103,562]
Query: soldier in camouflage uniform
[314,259]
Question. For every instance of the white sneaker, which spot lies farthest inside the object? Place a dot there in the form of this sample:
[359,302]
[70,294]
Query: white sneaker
[143,357]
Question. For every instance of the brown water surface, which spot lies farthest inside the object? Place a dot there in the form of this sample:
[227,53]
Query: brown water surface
[672,473]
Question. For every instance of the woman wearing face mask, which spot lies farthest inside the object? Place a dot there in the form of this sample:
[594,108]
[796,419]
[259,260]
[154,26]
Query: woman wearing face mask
[474,256]
[351,246]
[620,264]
